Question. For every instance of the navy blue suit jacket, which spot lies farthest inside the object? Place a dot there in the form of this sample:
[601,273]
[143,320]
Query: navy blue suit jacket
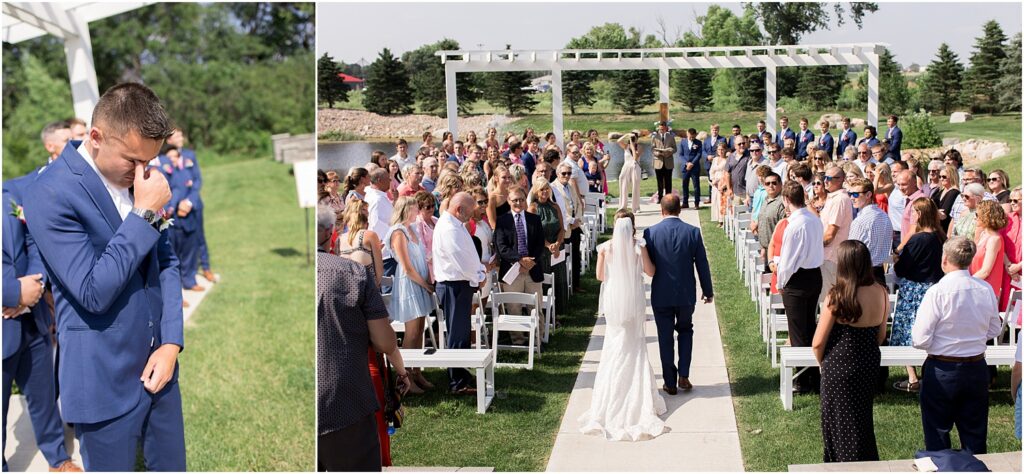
[676,248]
[781,136]
[895,143]
[20,258]
[850,139]
[827,143]
[690,152]
[708,150]
[182,183]
[803,139]
[116,289]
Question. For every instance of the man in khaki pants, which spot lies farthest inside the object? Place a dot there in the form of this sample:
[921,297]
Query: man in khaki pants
[663,144]
[519,237]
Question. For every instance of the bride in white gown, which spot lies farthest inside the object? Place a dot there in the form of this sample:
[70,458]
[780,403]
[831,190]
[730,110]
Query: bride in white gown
[626,403]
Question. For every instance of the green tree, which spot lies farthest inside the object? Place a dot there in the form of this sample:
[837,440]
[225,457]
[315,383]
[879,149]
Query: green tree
[820,86]
[942,83]
[577,90]
[43,99]
[1010,77]
[920,131]
[426,75]
[787,23]
[893,94]
[510,91]
[692,87]
[721,27]
[633,90]
[988,55]
[330,88]
[387,86]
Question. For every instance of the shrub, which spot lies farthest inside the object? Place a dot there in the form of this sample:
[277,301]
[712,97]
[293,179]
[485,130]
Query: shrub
[919,131]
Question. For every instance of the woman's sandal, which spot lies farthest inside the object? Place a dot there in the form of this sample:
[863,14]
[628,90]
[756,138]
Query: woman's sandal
[907,386]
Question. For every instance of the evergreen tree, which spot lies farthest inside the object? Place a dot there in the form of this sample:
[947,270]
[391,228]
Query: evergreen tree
[1010,77]
[387,86]
[893,94]
[693,89]
[576,89]
[943,82]
[984,73]
[633,90]
[510,91]
[820,86]
[329,86]
[427,78]
[750,88]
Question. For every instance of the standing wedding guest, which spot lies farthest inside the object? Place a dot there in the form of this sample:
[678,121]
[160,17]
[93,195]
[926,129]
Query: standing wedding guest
[894,139]
[784,132]
[519,238]
[988,259]
[872,226]
[778,165]
[719,178]
[352,323]
[483,231]
[27,347]
[184,232]
[708,148]
[946,195]
[448,185]
[847,137]
[401,155]
[412,291]
[629,175]
[497,202]
[519,178]
[869,138]
[736,167]
[965,223]
[1013,242]
[820,194]
[358,243]
[772,211]
[836,217]
[572,209]
[852,326]
[396,180]
[935,167]
[425,223]
[803,138]
[801,173]
[825,142]
[799,274]
[999,185]
[329,196]
[430,172]
[411,185]
[109,261]
[957,317]
[663,147]
[918,267]
[906,182]
[458,272]
[542,203]
[355,183]
[380,210]
[883,187]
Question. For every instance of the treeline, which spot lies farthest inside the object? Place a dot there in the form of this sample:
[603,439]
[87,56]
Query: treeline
[415,81]
[230,74]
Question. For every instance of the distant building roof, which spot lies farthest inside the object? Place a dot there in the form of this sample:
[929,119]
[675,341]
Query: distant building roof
[347,79]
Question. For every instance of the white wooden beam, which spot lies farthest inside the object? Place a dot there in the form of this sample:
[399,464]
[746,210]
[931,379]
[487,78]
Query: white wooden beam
[663,84]
[82,70]
[872,89]
[771,98]
[452,100]
[557,122]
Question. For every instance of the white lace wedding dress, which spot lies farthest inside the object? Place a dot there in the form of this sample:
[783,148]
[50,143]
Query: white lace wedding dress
[626,403]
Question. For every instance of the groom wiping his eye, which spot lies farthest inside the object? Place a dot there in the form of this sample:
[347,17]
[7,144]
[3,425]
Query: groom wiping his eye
[94,214]
[676,248]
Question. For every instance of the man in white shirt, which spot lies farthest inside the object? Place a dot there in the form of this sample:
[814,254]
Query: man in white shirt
[573,213]
[897,204]
[458,272]
[864,157]
[957,316]
[380,209]
[402,154]
[798,267]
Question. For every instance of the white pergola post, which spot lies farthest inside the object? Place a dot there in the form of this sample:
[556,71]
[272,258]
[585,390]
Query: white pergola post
[556,106]
[85,91]
[663,84]
[770,97]
[452,102]
[873,89]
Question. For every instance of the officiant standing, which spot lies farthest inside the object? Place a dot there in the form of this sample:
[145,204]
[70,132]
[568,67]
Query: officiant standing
[95,217]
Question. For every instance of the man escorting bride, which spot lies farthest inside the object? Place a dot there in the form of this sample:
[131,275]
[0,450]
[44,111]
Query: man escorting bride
[626,404]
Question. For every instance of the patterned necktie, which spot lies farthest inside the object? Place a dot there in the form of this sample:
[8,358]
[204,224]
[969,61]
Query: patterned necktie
[520,235]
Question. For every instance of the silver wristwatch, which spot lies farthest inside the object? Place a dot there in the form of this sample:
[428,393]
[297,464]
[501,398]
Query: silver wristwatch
[149,216]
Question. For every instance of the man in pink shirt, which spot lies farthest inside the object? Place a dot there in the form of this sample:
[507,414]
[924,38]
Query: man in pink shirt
[836,217]
[907,182]
[413,175]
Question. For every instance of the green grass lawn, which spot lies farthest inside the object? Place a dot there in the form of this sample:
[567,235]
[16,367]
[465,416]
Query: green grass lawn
[247,372]
[771,438]
[518,431]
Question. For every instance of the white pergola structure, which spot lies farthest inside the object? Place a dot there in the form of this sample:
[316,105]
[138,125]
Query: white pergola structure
[68,21]
[661,59]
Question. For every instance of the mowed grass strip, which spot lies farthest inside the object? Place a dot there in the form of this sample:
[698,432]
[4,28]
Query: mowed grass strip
[247,372]
[771,438]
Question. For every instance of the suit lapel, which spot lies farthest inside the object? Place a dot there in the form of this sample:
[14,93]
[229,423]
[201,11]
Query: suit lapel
[90,180]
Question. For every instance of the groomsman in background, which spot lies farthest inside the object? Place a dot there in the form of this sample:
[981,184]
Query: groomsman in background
[79,129]
[847,137]
[54,135]
[893,138]
[189,156]
[690,151]
[804,138]
[182,207]
[27,350]
[826,142]
[736,132]
[709,147]
[784,132]
[762,128]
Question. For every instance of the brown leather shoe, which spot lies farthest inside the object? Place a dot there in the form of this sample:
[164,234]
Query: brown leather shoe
[209,276]
[684,384]
[196,288]
[669,390]
[184,304]
[467,390]
[67,466]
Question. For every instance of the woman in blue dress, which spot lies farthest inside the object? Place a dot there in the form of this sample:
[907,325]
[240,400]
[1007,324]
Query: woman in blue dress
[411,291]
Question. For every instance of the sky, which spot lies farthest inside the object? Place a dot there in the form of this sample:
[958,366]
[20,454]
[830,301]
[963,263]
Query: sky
[913,31]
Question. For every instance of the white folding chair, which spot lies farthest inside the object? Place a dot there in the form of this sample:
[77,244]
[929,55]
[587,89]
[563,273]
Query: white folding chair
[502,321]
[547,301]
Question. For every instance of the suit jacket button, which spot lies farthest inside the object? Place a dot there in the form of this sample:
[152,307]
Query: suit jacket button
[151,324]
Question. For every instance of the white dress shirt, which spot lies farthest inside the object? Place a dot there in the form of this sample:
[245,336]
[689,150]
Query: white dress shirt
[380,210]
[561,196]
[801,245]
[453,253]
[863,165]
[897,204]
[122,199]
[956,317]
[780,168]
[402,162]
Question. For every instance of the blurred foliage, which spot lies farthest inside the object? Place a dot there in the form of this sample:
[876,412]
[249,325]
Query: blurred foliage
[230,75]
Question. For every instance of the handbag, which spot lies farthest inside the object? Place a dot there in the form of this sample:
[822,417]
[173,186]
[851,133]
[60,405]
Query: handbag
[394,414]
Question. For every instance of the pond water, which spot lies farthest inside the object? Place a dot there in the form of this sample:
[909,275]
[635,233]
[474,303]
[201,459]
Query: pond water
[342,156]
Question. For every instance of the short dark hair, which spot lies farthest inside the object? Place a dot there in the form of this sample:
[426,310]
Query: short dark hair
[894,118]
[788,151]
[692,131]
[670,205]
[129,107]
[401,141]
[514,147]
[802,171]
[794,193]
[551,155]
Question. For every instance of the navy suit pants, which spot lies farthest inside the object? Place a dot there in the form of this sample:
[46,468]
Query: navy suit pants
[456,298]
[204,253]
[32,367]
[691,176]
[156,423]
[186,247]
[671,320]
[955,393]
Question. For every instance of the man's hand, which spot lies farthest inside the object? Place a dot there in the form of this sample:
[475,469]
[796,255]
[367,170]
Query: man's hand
[11,313]
[184,207]
[31,289]
[689,166]
[151,190]
[160,367]
[527,263]
[554,249]
[707,299]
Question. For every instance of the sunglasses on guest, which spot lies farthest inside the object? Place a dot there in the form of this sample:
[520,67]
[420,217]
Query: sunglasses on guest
[943,176]
[993,179]
[818,183]
[565,173]
[771,183]
[855,194]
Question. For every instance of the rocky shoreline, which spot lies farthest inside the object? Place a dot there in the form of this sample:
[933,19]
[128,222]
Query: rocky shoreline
[367,125]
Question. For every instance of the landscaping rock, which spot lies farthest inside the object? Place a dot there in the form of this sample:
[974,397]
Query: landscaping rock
[370,125]
[960,117]
[858,124]
[973,150]
[950,141]
[833,120]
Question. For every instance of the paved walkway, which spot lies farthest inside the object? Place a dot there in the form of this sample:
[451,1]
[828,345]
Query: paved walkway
[703,434]
[21,451]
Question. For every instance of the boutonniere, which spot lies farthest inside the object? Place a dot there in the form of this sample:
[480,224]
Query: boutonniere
[189,163]
[18,211]
[188,183]
[168,169]
[165,220]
